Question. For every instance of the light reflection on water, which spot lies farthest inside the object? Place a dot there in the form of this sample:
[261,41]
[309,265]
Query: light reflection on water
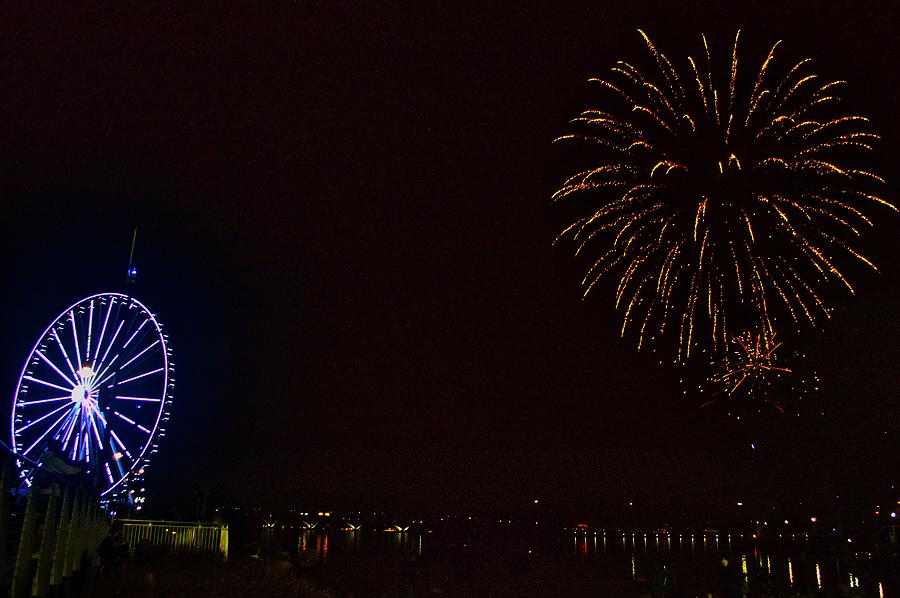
[787,569]
[313,545]
[638,554]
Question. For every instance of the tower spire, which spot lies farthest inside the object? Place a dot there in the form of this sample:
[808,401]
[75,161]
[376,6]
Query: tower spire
[132,269]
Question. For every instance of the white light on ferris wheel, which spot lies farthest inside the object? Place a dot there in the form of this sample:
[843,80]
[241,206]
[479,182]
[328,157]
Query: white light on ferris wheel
[95,387]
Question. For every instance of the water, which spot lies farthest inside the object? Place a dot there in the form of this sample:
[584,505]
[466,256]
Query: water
[369,562]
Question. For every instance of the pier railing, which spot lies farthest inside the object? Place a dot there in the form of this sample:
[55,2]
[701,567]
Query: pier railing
[182,536]
[48,537]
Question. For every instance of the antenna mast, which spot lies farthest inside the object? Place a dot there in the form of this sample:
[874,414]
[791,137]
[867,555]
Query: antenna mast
[132,270]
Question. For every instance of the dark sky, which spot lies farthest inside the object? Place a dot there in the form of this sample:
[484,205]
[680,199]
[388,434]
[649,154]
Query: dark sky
[344,220]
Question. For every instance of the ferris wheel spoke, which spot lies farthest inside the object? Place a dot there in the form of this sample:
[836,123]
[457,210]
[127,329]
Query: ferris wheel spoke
[56,369]
[126,364]
[109,346]
[44,435]
[45,383]
[96,431]
[87,351]
[75,338]
[99,413]
[133,334]
[132,422]
[69,426]
[139,376]
[112,341]
[25,403]
[121,444]
[108,473]
[103,330]
[140,399]
[42,418]
[65,355]
[100,376]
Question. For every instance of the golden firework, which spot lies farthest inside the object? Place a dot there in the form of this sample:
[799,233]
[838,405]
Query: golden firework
[720,197]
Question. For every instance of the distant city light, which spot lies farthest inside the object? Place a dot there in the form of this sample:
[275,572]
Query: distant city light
[535,501]
[740,504]
[893,515]
[812,519]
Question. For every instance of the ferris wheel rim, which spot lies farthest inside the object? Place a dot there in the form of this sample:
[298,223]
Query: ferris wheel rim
[164,400]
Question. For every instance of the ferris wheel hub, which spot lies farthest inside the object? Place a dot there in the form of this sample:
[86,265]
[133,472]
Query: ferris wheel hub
[80,394]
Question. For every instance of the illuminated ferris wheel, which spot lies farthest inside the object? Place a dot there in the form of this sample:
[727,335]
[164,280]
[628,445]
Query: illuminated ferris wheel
[96,392]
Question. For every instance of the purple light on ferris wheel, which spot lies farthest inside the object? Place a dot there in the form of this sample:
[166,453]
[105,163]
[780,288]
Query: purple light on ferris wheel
[45,383]
[139,376]
[112,341]
[131,338]
[53,400]
[127,363]
[103,331]
[71,411]
[42,418]
[55,369]
[141,399]
[42,436]
[65,355]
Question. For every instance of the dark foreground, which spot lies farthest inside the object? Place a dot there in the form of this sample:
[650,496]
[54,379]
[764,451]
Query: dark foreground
[194,576]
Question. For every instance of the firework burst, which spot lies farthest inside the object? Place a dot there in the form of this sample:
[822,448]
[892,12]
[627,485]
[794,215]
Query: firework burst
[756,372]
[721,203]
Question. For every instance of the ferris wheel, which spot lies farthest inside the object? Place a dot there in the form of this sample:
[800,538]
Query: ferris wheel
[96,390]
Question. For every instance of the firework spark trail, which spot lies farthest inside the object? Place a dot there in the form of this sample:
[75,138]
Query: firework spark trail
[721,203]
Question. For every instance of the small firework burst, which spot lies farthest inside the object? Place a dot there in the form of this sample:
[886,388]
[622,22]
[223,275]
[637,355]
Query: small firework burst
[758,373]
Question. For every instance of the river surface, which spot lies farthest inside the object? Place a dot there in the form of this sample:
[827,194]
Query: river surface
[390,563]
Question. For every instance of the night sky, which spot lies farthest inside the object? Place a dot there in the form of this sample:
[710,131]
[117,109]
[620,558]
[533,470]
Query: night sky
[344,221]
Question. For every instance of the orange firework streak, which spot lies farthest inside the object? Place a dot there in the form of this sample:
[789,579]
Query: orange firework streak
[756,358]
